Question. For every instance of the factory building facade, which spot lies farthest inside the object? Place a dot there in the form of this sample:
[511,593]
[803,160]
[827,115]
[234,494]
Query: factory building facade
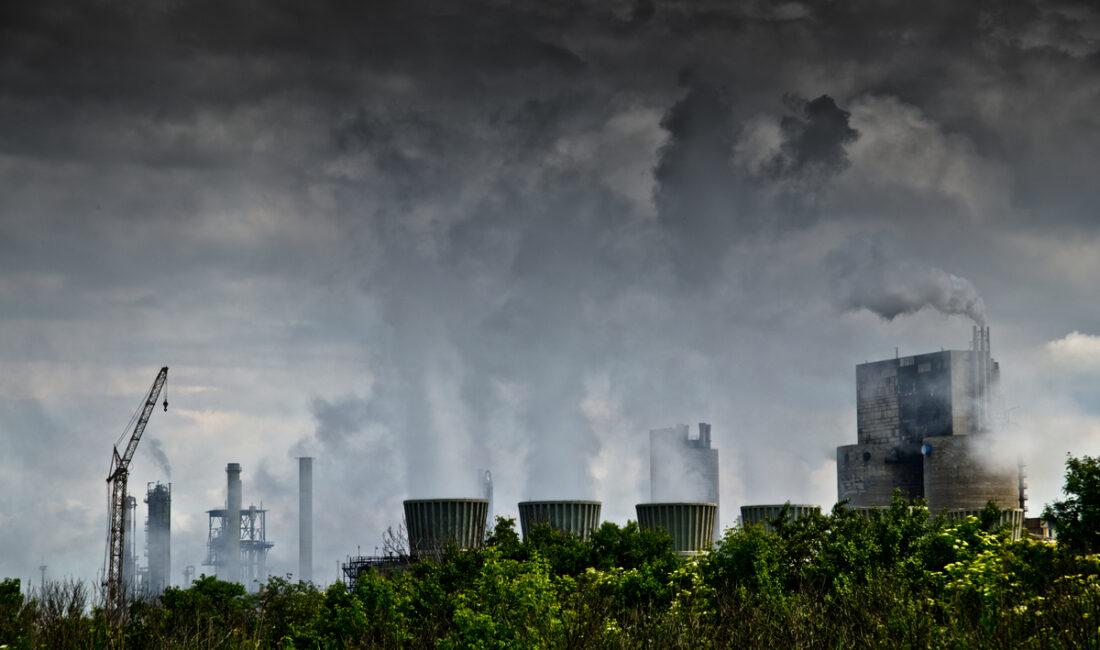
[924,428]
[683,468]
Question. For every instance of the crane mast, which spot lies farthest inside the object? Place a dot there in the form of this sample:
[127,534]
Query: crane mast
[120,470]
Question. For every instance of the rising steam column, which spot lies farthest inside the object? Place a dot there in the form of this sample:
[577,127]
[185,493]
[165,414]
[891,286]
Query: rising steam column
[683,468]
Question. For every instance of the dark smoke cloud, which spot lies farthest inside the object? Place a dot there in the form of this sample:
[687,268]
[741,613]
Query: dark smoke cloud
[155,450]
[340,419]
[869,273]
[814,138]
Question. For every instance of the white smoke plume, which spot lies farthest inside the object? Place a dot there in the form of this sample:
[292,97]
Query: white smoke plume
[155,450]
[868,273]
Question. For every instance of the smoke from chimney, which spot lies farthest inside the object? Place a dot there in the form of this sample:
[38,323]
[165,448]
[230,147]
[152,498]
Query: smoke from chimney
[868,273]
[156,451]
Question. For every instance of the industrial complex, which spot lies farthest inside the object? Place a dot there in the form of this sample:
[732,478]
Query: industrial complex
[924,429]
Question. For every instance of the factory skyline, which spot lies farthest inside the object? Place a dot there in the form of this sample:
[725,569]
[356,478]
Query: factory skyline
[925,427]
[517,237]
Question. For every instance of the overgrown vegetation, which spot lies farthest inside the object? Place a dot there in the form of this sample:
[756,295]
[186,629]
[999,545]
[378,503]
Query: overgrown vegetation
[893,578]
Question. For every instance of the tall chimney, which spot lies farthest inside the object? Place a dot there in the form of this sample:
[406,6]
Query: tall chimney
[232,530]
[305,519]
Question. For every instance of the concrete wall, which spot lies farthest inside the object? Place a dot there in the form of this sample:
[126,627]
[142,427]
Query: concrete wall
[868,474]
[578,518]
[959,473]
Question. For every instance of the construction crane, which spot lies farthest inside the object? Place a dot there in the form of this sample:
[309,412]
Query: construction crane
[116,479]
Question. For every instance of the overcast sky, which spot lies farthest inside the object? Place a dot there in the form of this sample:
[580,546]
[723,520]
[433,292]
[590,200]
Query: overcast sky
[415,239]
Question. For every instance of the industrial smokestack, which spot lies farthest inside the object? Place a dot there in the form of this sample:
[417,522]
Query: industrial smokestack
[231,531]
[305,519]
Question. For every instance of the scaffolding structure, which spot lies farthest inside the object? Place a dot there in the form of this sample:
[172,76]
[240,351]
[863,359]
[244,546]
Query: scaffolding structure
[357,565]
[251,536]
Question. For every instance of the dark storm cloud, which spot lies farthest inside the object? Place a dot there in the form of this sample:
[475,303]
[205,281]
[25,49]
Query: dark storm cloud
[442,236]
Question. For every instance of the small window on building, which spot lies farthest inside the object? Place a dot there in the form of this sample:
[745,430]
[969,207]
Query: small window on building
[906,361]
[924,367]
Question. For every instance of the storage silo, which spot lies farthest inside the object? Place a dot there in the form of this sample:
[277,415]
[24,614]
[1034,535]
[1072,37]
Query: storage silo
[578,518]
[763,515]
[691,525]
[961,473]
[434,524]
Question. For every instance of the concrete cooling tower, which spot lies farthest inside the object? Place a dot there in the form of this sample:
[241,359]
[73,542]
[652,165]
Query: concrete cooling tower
[763,515]
[578,518]
[691,525]
[434,524]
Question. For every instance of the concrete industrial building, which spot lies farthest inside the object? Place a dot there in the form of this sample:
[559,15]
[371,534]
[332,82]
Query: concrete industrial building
[923,427]
[158,538]
[683,468]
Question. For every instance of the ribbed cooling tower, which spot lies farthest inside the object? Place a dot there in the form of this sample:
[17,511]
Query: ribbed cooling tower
[575,517]
[959,474]
[691,525]
[433,524]
[1012,517]
[764,514]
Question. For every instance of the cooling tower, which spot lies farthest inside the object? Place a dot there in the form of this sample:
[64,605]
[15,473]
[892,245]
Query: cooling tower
[691,525]
[574,517]
[960,474]
[1012,517]
[763,515]
[434,524]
